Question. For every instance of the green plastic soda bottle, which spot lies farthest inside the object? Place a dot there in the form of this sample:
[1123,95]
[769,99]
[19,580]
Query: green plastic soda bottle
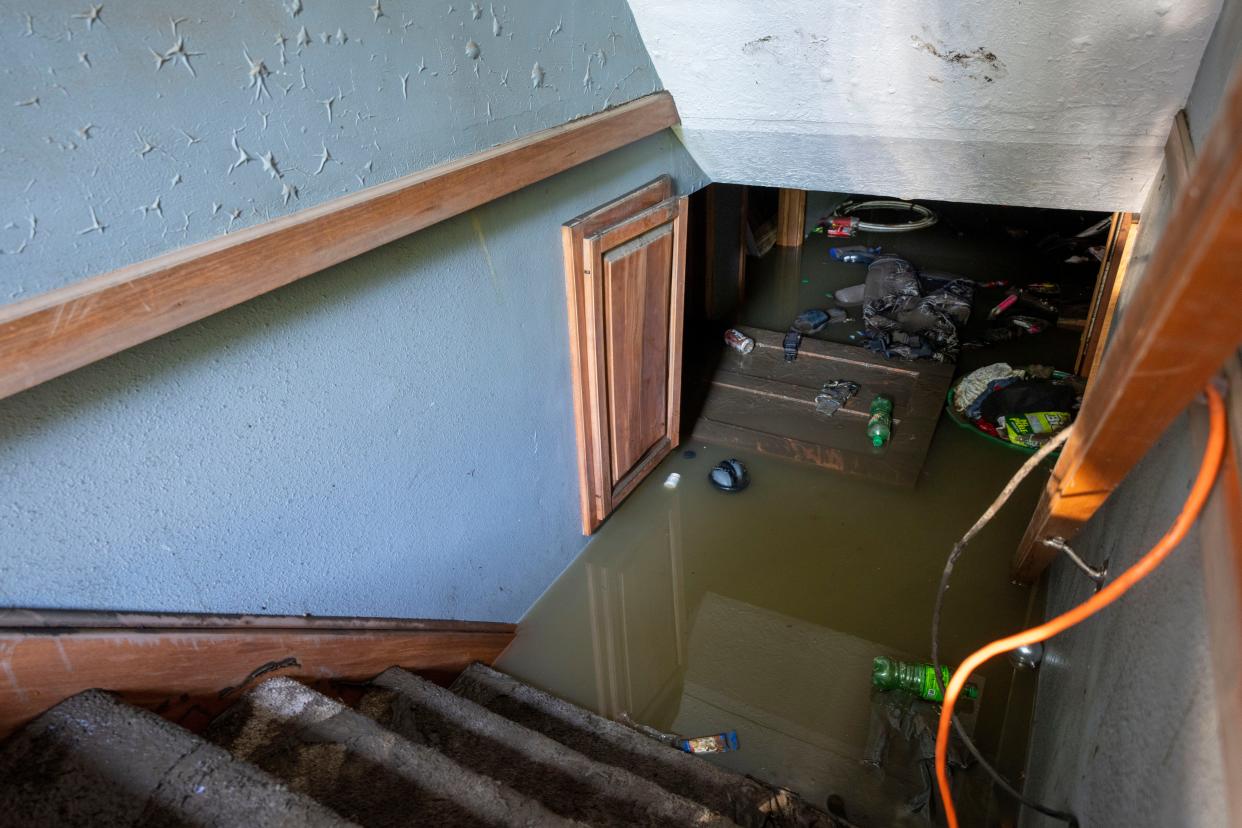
[880,426]
[920,679]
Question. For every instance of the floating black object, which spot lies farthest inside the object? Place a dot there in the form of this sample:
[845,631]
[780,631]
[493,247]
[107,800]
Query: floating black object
[729,476]
[792,340]
[811,321]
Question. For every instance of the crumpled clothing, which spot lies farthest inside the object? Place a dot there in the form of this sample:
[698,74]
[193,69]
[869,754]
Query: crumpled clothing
[891,275]
[971,386]
[897,344]
[896,714]
[897,303]
[975,410]
[834,394]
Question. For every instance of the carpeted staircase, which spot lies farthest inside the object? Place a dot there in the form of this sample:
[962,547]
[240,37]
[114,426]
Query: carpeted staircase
[489,751]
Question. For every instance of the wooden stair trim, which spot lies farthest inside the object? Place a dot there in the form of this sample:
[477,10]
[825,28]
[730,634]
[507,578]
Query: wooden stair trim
[54,333]
[35,620]
[188,667]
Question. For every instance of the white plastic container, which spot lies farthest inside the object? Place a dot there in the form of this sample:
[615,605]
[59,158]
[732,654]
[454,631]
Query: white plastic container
[852,295]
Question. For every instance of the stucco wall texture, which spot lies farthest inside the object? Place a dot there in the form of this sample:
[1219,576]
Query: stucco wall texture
[1050,104]
[393,436]
[1125,727]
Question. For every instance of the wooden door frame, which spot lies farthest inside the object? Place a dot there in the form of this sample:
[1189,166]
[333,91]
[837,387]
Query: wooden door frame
[790,217]
[733,254]
[1122,233]
[1182,323]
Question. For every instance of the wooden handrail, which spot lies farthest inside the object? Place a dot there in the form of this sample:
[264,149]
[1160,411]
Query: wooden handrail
[1181,325]
[54,333]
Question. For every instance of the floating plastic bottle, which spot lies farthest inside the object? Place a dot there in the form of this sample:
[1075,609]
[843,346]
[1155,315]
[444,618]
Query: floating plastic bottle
[880,426]
[919,679]
[854,254]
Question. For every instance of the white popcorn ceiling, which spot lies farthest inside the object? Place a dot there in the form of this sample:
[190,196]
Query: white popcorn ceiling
[1052,104]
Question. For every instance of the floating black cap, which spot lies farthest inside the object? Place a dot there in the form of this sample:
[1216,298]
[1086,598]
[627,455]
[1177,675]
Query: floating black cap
[729,476]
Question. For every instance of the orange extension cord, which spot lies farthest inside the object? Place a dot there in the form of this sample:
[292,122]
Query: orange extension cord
[1212,458]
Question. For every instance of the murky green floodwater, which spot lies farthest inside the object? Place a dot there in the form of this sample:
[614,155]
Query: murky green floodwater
[697,611]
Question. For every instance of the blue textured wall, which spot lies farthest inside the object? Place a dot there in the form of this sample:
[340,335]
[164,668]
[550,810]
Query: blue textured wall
[393,436]
[140,117]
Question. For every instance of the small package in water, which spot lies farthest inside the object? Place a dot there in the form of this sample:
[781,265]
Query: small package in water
[720,743]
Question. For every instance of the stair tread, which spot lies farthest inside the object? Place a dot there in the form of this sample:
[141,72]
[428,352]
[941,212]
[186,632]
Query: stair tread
[744,800]
[566,781]
[94,760]
[358,768]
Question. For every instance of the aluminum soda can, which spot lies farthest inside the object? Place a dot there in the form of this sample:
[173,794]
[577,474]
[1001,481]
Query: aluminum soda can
[739,341]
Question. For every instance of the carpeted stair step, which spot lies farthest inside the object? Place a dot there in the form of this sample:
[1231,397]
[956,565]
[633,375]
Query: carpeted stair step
[744,800]
[564,780]
[361,770]
[94,760]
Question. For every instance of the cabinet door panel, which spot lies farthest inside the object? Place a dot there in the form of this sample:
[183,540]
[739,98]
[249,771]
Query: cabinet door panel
[626,285]
[637,281]
[573,233]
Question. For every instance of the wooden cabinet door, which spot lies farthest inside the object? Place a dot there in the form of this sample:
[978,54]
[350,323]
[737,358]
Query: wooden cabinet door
[626,284]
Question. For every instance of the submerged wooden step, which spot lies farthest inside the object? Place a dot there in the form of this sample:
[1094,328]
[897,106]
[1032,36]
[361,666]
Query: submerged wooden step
[564,780]
[744,800]
[760,402]
[361,770]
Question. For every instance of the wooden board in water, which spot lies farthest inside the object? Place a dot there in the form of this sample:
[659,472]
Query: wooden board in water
[760,402]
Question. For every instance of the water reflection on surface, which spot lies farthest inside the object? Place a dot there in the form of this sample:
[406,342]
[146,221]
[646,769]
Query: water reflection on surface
[697,611]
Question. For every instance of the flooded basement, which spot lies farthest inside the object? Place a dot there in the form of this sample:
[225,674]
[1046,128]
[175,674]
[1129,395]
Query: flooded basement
[697,611]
